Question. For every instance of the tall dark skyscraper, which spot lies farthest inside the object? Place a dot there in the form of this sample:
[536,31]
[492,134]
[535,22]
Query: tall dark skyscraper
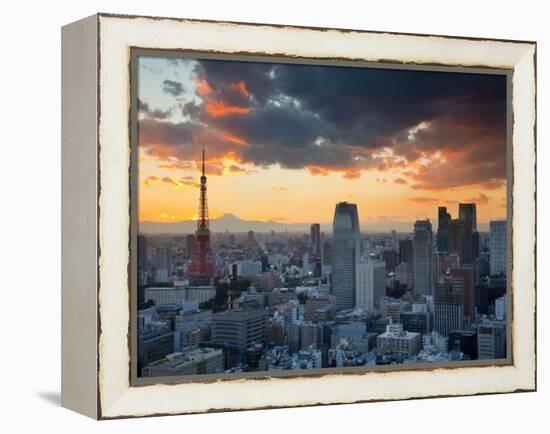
[327,252]
[462,235]
[406,251]
[442,227]
[346,245]
[464,279]
[142,250]
[467,213]
[315,233]
[422,247]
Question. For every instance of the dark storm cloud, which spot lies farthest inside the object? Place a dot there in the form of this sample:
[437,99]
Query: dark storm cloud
[334,118]
[174,88]
[146,111]
[256,76]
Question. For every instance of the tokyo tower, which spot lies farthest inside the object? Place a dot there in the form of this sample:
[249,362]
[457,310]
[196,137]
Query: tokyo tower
[202,268]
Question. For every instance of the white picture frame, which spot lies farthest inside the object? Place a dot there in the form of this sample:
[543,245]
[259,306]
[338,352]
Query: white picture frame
[96,378]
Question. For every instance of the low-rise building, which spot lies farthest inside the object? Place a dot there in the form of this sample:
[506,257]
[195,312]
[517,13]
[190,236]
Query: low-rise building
[491,340]
[193,361]
[397,341]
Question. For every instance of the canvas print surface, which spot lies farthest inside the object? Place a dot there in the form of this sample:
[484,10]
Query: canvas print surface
[296,216]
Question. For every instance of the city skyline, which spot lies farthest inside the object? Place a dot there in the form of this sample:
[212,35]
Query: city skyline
[428,139]
[256,297]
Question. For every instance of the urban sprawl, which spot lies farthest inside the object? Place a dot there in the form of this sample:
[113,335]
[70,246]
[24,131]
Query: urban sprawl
[213,303]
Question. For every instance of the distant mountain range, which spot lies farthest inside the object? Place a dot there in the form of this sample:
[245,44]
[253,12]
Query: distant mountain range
[232,223]
[226,222]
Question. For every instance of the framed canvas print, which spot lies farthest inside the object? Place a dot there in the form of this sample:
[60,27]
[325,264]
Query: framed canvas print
[260,216]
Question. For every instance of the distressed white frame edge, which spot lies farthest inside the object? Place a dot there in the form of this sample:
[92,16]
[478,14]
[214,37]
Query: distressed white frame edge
[117,398]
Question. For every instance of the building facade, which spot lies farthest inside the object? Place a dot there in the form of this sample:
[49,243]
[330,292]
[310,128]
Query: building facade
[422,247]
[497,247]
[397,341]
[346,242]
[239,328]
[370,284]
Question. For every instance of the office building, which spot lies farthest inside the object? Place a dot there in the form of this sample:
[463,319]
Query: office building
[142,249]
[391,258]
[315,239]
[497,248]
[193,361]
[467,213]
[346,241]
[440,266]
[294,336]
[192,327]
[393,308]
[310,335]
[491,340]
[370,284]
[422,248]
[316,308]
[327,253]
[464,341]
[442,225]
[404,275]
[239,328]
[406,254]
[417,322]
[463,278]
[500,308]
[448,307]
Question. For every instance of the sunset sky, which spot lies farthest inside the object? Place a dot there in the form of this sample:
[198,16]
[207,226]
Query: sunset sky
[287,142]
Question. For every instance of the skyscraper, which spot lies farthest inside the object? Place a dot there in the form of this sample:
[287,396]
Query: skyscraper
[422,248]
[442,224]
[406,251]
[467,213]
[315,233]
[142,249]
[463,278]
[459,235]
[346,241]
[497,247]
[449,307]
[371,284]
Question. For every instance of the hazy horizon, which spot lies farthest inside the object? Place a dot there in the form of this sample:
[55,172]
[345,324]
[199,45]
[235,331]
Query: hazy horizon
[151,227]
[285,143]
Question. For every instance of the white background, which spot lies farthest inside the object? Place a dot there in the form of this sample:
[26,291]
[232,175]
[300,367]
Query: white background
[30,216]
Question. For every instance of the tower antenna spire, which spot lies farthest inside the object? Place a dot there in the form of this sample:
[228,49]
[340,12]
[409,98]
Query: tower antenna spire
[203,171]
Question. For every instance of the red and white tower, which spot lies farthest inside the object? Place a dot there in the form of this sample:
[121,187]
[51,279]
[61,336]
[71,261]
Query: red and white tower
[203,267]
